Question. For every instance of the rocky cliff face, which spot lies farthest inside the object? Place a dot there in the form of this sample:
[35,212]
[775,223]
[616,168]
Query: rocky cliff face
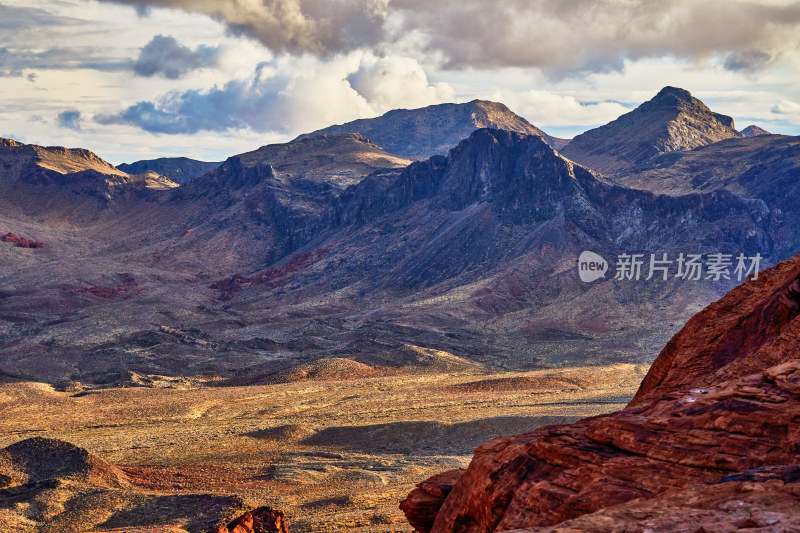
[672,121]
[711,434]
[765,167]
[261,520]
[433,130]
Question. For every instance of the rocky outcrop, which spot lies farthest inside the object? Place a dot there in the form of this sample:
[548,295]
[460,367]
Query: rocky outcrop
[20,242]
[722,399]
[127,288]
[766,499]
[750,328]
[424,502]
[261,520]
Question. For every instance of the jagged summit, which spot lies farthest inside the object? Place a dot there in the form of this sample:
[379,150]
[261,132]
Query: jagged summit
[432,130]
[672,120]
[509,168]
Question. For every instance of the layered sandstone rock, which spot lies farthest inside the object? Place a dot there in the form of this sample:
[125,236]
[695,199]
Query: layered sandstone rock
[722,398]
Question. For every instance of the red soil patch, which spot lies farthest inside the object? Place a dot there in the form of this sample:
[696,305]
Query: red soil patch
[271,277]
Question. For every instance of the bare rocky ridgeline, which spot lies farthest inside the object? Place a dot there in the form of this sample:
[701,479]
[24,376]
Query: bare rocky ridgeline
[180,170]
[434,130]
[709,443]
[332,247]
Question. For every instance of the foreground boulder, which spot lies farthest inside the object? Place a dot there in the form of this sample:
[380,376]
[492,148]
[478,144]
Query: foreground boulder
[721,400]
[261,520]
[765,500]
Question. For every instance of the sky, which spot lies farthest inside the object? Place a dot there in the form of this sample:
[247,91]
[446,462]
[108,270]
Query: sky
[140,79]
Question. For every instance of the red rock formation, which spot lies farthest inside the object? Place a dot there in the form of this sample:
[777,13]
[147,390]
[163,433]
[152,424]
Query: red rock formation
[261,520]
[750,328]
[765,500]
[271,277]
[127,288]
[424,502]
[722,398]
[20,242]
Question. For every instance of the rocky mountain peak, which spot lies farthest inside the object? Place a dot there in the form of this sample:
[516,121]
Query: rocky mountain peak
[754,131]
[671,121]
[433,130]
[508,168]
[673,96]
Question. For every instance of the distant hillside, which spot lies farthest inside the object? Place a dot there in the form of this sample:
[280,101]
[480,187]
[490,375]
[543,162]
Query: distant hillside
[181,170]
[433,130]
[673,120]
[754,131]
[70,183]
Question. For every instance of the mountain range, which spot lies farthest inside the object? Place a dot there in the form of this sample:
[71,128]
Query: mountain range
[436,238]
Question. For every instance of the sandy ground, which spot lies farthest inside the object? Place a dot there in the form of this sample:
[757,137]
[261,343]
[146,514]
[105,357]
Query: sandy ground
[335,455]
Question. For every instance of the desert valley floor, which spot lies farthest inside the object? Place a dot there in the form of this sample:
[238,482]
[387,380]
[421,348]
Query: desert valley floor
[335,455]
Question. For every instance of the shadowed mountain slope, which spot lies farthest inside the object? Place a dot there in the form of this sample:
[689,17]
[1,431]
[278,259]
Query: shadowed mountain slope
[330,247]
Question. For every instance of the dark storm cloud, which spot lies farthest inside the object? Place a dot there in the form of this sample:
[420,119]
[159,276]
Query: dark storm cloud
[562,37]
[317,26]
[165,56]
[747,60]
[598,35]
[70,120]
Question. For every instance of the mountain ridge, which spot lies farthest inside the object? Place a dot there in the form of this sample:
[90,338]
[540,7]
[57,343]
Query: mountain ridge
[180,170]
[433,130]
